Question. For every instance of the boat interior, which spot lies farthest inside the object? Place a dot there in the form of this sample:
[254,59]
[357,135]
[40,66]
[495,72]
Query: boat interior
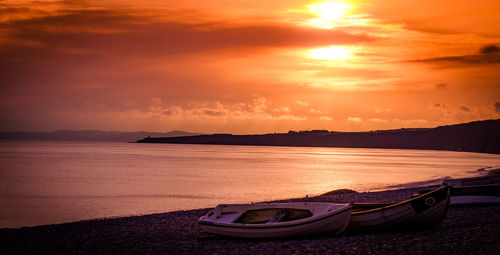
[269,215]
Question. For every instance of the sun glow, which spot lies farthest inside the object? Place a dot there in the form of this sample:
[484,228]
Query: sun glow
[328,13]
[331,53]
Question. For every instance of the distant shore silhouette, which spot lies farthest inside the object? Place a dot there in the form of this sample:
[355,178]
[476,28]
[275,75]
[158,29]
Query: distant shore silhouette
[479,136]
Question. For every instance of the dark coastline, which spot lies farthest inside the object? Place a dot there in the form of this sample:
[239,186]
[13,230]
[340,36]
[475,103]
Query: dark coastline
[479,136]
[466,230]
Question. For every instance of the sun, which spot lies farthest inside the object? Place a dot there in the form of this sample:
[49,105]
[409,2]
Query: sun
[330,10]
[331,53]
[328,13]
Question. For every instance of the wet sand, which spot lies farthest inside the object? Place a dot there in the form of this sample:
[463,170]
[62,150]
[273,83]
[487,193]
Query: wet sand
[466,230]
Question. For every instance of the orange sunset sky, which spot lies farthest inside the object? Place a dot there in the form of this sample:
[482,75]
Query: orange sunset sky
[247,66]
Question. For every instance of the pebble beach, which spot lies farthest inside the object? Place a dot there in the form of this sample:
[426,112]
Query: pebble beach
[465,230]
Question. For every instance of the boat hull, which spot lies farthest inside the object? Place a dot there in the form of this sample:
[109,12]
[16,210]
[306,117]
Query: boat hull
[426,210]
[474,200]
[475,195]
[331,223]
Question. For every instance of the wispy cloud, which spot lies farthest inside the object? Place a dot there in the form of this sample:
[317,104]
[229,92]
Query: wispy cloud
[354,119]
[441,86]
[123,30]
[377,120]
[444,17]
[489,54]
[301,103]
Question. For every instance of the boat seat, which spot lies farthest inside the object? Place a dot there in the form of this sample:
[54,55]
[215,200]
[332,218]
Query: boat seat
[280,216]
[229,217]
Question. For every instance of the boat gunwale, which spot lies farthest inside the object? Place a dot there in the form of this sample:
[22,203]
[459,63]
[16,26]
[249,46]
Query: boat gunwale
[397,204]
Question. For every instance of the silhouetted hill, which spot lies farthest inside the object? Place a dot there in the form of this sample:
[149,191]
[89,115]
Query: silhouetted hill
[88,135]
[478,136]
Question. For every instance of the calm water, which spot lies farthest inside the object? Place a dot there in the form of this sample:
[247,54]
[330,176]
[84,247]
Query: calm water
[54,182]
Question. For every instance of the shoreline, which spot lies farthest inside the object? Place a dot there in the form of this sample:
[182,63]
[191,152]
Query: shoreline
[464,230]
[319,146]
[410,185]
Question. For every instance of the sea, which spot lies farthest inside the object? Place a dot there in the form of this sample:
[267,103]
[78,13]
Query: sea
[48,182]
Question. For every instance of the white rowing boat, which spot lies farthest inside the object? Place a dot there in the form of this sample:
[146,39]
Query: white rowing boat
[475,195]
[478,190]
[425,210]
[276,220]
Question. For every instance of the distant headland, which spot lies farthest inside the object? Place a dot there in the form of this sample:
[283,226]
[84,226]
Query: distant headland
[478,136]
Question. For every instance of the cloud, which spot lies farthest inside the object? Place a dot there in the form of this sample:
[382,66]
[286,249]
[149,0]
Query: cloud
[497,107]
[325,118]
[156,100]
[301,103]
[382,110]
[421,121]
[464,108]
[256,109]
[316,111]
[354,119]
[213,113]
[463,111]
[129,31]
[443,17]
[79,46]
[377,120]
[489,49]
[489,54]
[441,86]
